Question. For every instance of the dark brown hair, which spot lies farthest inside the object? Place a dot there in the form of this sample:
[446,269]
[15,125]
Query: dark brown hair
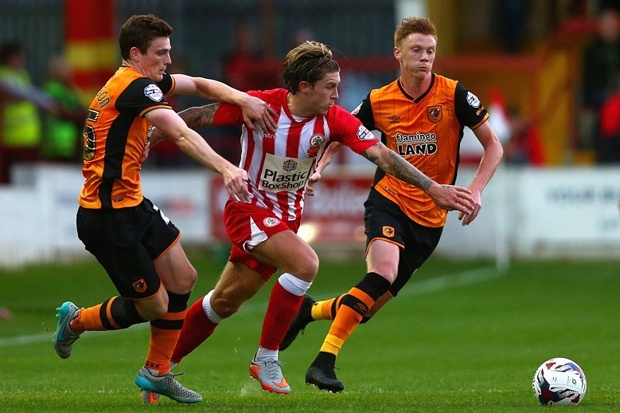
[139,31]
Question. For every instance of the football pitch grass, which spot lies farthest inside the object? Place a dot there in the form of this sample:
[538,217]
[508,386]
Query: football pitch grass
[461,337]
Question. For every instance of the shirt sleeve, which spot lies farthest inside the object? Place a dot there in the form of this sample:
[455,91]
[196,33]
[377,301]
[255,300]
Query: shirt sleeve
[228,114]
[350,131]
[468,108]
[167,84]
[141,96]
[364,113]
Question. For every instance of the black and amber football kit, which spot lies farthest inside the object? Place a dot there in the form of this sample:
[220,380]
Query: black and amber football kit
[116,223]
[427,132]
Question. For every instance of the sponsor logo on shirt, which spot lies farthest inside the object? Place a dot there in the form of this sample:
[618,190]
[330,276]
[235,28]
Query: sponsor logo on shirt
[416,144]
[364,134]
[153,92]
[394,118]
[281,173]
[473,100]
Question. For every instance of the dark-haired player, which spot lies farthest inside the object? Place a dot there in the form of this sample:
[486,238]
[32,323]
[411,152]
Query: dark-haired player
[134,241]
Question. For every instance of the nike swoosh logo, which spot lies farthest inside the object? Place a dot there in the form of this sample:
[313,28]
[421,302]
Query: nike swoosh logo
[162,387]
[282,384]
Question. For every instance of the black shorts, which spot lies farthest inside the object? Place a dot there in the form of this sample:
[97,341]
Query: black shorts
[383,219]
[126,241]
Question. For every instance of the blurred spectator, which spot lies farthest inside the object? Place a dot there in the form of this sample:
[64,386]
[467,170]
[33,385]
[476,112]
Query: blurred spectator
[301,35]
[237,64]
[62,134]
[600,67]
[608,146]
[601,59]
[239,71]
[21,129]
[524,146]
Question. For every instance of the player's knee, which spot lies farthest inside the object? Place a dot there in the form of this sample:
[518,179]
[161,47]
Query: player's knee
[188,280]
[387,268]
[307,268]
[225,305]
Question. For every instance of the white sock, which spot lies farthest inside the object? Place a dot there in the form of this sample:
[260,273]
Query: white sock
[206,306]
[293,284]
[265,354]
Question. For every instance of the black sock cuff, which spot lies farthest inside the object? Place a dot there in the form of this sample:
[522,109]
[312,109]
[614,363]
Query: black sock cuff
[374,285]
[177,302]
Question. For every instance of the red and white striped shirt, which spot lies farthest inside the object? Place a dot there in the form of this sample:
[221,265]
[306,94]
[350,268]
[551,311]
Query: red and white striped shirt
[280,164]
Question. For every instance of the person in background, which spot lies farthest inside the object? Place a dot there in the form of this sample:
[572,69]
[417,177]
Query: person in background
[62,135]
[264,231]
[600,68]
[238,62]
[609,121]
[421,116]
[21,122]
[524,146]
[136,243]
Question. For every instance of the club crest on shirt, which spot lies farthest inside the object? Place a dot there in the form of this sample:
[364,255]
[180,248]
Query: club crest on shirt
[271,222]
[316,141]
[388,231]
[139,286]
[434,113]
[154,93]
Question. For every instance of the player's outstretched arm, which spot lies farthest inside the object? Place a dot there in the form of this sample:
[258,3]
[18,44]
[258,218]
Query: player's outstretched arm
[195,117]
[190,142]
[325,160]
[448,197]
[255,111]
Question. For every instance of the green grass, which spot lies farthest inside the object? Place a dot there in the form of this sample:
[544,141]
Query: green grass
[460,338]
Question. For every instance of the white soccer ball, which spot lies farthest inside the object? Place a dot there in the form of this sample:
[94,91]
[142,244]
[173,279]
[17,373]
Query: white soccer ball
[559,381]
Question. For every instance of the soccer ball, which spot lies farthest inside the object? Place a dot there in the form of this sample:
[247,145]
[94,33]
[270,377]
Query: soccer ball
[559,381]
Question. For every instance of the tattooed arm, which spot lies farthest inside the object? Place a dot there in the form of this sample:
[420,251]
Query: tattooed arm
[195,117]
[449,197]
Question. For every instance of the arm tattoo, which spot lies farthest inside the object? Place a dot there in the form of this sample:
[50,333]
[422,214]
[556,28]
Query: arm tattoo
[199,116]
[401,169]
[404,171]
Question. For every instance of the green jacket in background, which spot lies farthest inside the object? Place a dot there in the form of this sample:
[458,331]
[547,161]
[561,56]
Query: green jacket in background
[22,126]
[60,140]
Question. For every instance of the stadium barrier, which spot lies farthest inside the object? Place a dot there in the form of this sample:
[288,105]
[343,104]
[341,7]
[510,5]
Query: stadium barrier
[527,213]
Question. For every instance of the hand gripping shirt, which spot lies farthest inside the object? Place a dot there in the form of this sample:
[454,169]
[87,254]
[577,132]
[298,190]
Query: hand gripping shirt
[279,164]
[426,132]
[115,136]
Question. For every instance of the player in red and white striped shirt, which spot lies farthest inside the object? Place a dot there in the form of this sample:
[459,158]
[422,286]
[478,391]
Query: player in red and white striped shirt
[263,230]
